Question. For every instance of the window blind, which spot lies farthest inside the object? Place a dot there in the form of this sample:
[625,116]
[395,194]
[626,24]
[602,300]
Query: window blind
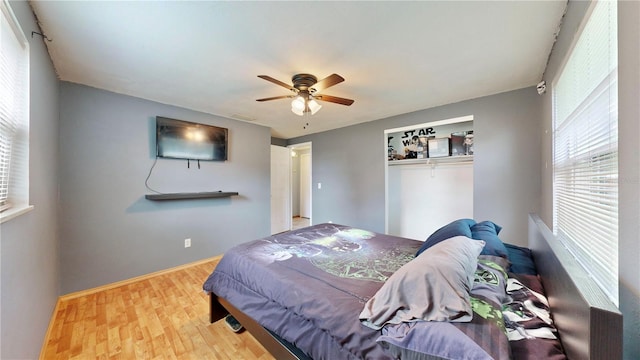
[14,78]
[585,139]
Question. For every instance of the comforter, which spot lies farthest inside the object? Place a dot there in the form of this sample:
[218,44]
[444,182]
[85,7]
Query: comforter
[309,286]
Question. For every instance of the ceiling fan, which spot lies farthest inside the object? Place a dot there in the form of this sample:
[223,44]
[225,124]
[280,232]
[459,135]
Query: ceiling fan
[306,90]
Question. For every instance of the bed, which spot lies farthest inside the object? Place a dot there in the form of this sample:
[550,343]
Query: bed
[335,292]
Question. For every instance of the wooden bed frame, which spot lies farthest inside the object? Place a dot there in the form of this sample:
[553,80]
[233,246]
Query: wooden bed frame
[590,326]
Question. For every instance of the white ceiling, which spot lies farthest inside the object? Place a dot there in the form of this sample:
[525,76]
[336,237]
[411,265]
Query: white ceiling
[396,57]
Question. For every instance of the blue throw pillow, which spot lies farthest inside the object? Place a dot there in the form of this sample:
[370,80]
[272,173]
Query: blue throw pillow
[460,227]
[520,260]
[488,231]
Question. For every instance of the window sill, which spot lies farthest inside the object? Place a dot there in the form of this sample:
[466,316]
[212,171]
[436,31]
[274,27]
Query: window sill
[14,212]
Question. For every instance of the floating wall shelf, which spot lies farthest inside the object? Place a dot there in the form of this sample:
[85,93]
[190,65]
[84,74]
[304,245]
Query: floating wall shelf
[186,196]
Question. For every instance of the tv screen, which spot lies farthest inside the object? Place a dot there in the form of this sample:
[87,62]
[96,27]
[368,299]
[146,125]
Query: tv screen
[179,139]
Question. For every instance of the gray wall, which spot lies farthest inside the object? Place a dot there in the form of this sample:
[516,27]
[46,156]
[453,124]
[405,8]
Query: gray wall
[349,162]
[28,245]
[629,148]
[278,141]
[108,230]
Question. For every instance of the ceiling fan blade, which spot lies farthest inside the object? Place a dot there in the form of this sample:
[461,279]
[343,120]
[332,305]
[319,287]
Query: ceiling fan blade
[333,99]
[276,97]
[277,82]
[329,81]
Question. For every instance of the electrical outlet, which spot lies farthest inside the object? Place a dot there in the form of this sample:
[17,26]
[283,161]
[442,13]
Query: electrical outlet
[187,243]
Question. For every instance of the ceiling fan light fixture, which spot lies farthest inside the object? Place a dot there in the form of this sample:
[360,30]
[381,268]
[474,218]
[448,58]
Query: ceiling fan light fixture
[305,88]
[314,106]
[298,106]
[297,111]
[298,103]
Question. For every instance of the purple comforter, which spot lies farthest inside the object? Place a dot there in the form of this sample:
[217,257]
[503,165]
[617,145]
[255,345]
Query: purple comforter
[309,286]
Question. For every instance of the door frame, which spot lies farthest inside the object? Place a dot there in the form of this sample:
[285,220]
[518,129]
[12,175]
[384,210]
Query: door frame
[385,156]
[304,146]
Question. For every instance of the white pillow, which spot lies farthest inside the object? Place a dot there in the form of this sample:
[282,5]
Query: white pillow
[434,286]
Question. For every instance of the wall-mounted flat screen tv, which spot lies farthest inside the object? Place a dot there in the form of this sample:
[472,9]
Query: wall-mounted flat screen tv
[178,139]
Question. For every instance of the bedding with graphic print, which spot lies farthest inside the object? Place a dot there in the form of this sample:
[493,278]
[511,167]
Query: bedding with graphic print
[528,321]
[483,337]
[309,286]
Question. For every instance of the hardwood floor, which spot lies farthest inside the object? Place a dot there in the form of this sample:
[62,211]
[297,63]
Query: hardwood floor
[165,316]
[299,222]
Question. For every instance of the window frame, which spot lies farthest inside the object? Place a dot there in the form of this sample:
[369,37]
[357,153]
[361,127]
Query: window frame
[16,177]
[595,154]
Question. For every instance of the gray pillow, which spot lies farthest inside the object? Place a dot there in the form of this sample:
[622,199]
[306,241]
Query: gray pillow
[434,286]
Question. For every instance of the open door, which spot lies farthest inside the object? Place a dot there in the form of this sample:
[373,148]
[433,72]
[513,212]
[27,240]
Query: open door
[280,189]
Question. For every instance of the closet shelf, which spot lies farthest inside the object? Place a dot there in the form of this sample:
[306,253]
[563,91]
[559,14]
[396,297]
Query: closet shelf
[190,195]
[434,161]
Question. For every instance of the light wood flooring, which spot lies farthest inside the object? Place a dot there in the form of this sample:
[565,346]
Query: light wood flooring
[299,222]
[165,316]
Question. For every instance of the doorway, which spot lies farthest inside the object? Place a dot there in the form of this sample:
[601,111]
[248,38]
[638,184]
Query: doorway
[423,193]
[301,179]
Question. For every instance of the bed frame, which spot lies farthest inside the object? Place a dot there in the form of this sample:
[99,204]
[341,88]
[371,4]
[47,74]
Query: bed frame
[590,326]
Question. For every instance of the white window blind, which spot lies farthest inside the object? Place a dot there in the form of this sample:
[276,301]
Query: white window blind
[14,103]
[585,139]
